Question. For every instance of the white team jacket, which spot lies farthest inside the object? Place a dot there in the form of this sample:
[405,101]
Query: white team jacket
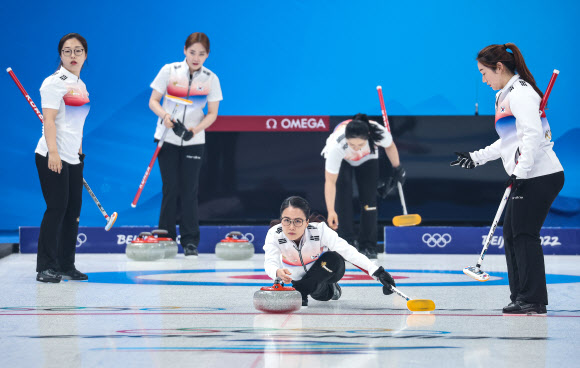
[201,87]
[524,143]
[337,149]
[67,93]
[318,238]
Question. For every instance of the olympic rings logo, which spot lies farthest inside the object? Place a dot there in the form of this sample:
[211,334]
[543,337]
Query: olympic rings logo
[436,240]
[81,239]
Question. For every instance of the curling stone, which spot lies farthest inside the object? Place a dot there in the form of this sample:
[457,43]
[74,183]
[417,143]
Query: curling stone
[277,299]
[235,246]
[168,244]
[145,248]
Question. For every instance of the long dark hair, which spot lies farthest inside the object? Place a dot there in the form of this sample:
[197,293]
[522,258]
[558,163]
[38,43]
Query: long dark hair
[360,127]
[69,36]
[514,61]
[302,204]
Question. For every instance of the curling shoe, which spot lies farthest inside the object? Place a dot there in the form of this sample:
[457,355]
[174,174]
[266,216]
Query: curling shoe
[304,300]
[73,274]
[190,250]
[520,307]
[49,275]
[510,307]
[337,291]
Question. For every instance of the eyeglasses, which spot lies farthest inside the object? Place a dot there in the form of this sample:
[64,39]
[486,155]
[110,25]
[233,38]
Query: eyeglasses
[68,52]
[298,222]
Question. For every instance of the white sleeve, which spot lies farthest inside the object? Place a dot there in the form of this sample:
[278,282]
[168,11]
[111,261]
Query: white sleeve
[335,243]
[160,82]
[51,94]
[215,90]
[525,108]
[334,159]
[387,137]
[489,153]
[272,260]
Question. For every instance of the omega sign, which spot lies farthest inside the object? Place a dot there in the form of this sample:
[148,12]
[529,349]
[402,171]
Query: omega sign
[296,123]
[271,123]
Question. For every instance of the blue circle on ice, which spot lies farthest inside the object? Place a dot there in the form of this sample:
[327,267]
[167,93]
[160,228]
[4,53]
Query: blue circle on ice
[155,277]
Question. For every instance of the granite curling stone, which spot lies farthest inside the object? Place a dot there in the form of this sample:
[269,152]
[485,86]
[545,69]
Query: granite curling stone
[236,246]
[277,299]
[145,248]
[168,244]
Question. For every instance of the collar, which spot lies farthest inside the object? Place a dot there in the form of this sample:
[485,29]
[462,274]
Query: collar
[186,67]
[298,246]
[510,83]
[503,91]
[68,74]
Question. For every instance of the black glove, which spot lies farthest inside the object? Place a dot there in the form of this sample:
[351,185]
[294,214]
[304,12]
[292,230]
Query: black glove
[385,188]
[464,160]
[181,131]
[515,183]
[82,157]
[386,279]
[382,190]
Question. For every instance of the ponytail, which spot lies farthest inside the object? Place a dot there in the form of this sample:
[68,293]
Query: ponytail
[361,127]
[522,69]
[514,62]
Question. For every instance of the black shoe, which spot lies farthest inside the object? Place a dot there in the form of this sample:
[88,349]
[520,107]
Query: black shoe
[49,275]
[510,307]
[73,274]
[369,253]
[190,250]
[304,300]
[520,307]
[337,291]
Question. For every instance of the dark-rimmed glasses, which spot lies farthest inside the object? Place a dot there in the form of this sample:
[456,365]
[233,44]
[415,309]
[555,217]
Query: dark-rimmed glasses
[68,52]
[286,221]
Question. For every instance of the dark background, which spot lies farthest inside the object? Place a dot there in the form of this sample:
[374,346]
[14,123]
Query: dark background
[246,175]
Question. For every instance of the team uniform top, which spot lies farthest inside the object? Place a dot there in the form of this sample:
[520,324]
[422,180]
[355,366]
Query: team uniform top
[65,92]
[318,238]
[524,143]
[201,87]
[337,149]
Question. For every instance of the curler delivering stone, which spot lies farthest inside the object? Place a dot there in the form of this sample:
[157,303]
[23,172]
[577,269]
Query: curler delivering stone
[277,299]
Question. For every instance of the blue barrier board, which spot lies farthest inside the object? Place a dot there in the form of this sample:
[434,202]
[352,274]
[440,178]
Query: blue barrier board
[97,240]
[470,240]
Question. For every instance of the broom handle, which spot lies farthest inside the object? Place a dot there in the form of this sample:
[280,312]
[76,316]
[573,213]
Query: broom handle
[402,198]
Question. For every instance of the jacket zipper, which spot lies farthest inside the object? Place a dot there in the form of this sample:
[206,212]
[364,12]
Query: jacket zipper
[299,249]
[185,107]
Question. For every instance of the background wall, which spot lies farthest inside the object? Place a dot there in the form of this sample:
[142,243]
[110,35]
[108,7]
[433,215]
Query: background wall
[273,58]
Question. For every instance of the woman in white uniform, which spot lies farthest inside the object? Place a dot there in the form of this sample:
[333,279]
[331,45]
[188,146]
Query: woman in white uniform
[180,158]
[59,161]
[536,175]
[351,151]
[300,248]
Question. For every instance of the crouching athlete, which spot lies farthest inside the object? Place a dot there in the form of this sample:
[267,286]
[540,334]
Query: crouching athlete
[300,248]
